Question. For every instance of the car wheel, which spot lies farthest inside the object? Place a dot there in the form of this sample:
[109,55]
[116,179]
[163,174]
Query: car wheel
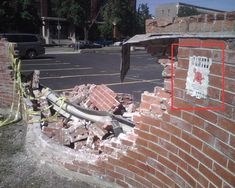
[31,54]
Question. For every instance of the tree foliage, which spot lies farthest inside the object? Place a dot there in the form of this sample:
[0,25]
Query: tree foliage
[76,11]
[19,16]
[121,14]
[187,11]
[141,16]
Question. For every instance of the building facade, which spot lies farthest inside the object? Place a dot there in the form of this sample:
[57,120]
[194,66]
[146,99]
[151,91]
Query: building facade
[173,9]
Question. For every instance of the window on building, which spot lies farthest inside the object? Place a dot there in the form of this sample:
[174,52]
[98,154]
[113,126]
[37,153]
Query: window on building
[168,12]
[162,12]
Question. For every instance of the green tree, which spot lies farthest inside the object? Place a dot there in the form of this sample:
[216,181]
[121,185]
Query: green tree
[77,12]
[187,11]
[119,14]
[6,16]
[19,16]
[142,15]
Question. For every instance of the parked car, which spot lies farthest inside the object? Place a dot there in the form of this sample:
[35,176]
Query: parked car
[26,45]
[104,42]
[90,44]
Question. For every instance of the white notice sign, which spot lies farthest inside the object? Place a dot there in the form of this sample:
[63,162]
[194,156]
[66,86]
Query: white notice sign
[197,78]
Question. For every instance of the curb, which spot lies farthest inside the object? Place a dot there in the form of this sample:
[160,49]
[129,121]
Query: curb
[47,151]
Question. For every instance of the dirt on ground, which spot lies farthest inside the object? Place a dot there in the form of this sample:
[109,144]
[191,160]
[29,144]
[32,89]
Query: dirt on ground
[20,170]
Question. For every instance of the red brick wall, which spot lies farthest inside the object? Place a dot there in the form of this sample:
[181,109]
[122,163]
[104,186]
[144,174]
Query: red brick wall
[6,83]
[220,22]
[176,148]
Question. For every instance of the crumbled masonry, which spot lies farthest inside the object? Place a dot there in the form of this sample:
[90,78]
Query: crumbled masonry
[78,133]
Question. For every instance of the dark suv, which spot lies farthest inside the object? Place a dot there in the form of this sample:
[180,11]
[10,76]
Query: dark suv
[26,45]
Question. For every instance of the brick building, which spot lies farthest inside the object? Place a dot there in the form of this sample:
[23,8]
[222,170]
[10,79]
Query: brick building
[173,9]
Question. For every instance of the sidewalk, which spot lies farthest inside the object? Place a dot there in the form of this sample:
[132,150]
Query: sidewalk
[67,50]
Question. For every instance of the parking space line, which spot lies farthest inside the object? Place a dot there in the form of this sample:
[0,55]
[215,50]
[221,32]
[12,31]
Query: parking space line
[133,82]
[75,76]
[62,69]
[118,83]
[46,59]
[47,64]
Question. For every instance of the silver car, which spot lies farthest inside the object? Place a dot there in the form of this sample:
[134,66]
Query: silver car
[26,45]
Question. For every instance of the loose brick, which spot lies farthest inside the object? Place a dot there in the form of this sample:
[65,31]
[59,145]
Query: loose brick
[150,98]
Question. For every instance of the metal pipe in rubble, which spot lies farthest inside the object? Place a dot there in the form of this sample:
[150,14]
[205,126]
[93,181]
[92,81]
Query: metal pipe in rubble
[74,110]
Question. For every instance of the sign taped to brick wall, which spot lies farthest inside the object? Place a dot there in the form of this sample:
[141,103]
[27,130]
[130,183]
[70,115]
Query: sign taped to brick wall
[197,78]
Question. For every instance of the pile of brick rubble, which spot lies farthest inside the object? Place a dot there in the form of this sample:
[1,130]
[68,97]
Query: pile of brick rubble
[81,133]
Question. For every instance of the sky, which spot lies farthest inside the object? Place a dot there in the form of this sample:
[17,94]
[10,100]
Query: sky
[226,5]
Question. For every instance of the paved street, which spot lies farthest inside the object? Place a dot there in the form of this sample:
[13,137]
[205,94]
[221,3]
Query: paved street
[63,71]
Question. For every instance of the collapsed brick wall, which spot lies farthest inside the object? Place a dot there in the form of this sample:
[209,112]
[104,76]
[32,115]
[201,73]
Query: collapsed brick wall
[176,148]
[218,22]
[6,83]
[166,148]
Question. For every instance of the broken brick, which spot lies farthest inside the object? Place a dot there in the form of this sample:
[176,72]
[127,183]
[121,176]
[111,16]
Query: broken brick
[98,130]
[64,137]
[78,134]
[104,99]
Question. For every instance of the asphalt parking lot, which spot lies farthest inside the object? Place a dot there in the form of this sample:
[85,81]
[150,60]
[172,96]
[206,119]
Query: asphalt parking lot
[62,71]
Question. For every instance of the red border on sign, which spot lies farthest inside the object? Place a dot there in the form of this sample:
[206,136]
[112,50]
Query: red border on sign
[205,44]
